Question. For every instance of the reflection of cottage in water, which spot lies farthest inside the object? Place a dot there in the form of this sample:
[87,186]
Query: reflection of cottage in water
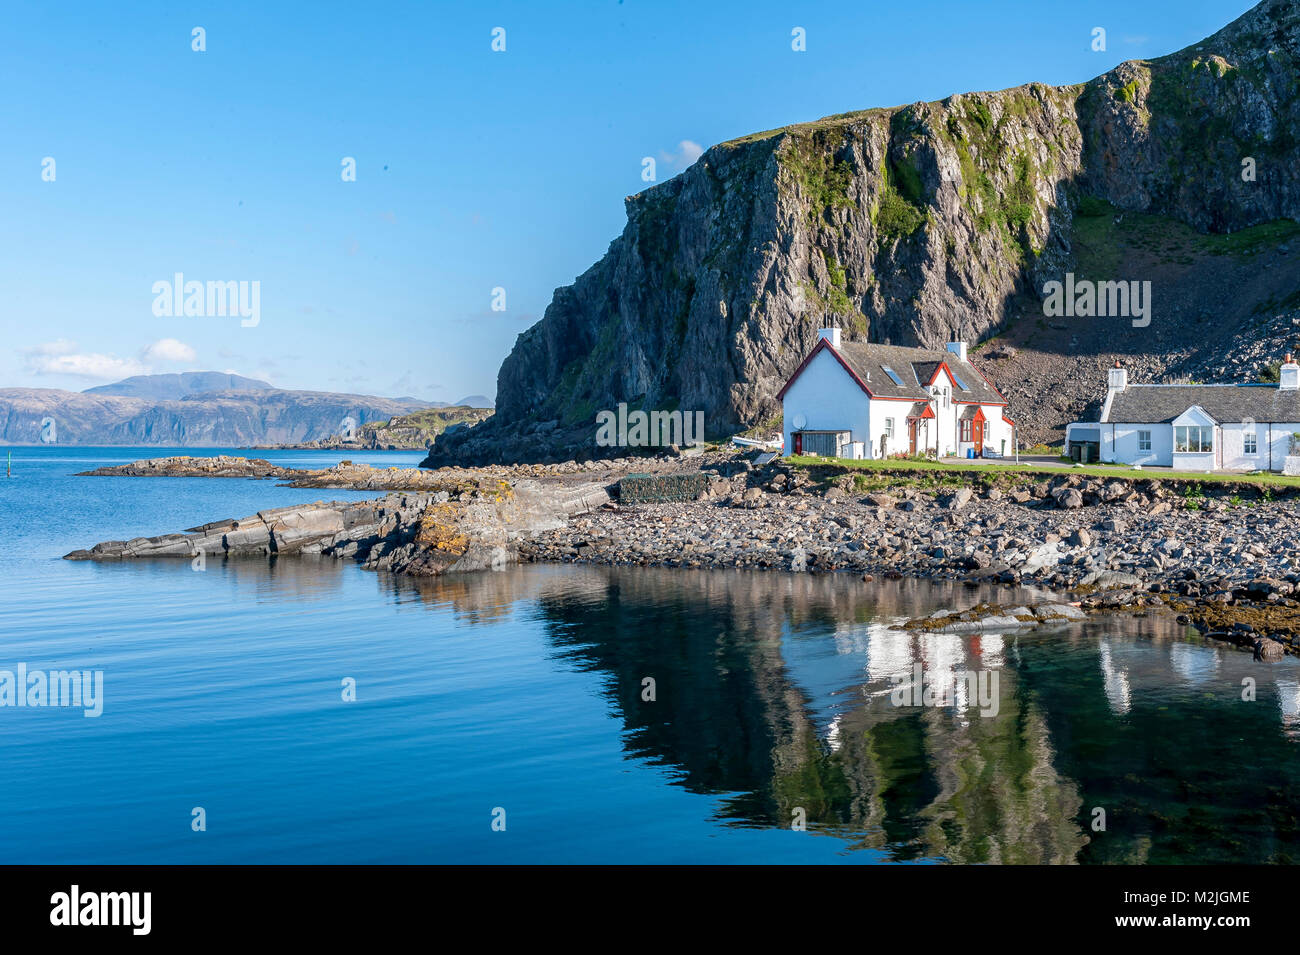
[774,695]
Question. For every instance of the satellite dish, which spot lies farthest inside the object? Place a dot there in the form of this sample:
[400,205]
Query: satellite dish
[800,422]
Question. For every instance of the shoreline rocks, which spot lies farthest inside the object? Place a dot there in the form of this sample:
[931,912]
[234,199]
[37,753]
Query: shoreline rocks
[1223,563]
[362,477]
[1214,560]
[987,617]
[420,534]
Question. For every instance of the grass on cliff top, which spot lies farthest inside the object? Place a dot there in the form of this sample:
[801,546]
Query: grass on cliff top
[1122,472]
[435,420]
[826,122]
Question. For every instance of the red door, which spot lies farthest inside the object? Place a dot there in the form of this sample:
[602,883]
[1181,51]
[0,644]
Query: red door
[798,442]
[911,436]
[979,437]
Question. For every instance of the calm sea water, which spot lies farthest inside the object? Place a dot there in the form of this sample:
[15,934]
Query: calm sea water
[521,695]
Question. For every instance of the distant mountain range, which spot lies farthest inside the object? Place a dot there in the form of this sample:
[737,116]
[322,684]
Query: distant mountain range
[195,409]
[176,387]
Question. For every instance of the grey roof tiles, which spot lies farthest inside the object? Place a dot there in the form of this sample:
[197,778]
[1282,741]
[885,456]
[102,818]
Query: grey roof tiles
[1161,404]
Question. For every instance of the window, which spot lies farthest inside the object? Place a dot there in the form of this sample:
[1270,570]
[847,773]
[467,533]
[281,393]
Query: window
[960,384]
[1144,440]
[1193,438]
[889,426]
[893,376]
[965,430]
[1249,443]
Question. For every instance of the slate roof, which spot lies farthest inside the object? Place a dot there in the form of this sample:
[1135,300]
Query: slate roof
[1161,404]
[915,367]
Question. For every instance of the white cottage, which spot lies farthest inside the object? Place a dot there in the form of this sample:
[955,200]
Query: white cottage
[1194,427]
[863,400]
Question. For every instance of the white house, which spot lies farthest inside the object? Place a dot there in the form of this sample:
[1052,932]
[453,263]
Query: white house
[863,400]
[1195,427]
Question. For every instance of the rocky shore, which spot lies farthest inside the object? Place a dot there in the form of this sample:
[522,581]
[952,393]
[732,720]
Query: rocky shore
[362,477]
[462,527]
[1222,556]
[1228,564]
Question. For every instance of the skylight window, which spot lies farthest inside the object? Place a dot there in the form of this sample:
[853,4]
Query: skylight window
[960,384]
[893,376]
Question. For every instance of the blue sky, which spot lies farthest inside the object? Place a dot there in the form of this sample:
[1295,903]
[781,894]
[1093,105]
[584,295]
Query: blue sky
[475,169]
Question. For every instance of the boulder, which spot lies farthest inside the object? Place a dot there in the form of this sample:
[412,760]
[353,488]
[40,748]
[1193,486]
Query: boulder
[1104,579]
[1269,649]
[1068,498]
[1058,611]
[960,499]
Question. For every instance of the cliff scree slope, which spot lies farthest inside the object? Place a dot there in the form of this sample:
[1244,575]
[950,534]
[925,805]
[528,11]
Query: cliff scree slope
[930,222]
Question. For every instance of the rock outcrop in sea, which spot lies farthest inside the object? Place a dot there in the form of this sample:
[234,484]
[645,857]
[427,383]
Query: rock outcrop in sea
[474,526]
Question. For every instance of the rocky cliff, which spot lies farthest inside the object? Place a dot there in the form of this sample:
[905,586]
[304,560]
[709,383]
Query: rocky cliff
[916,225]
[414,432]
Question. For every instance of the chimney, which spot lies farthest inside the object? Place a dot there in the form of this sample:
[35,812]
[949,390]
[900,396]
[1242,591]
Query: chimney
[1117,380]
[829,335]
[958,349]
[1288,376]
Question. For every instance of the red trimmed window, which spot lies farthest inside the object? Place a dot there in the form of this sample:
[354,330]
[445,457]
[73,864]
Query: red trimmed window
[965,430]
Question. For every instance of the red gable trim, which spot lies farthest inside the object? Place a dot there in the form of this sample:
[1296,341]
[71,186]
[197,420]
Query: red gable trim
[979,415]
[823,344]
[927,413]
[943,366]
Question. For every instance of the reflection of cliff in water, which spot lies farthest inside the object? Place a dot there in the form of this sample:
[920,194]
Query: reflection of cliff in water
[773,692]
[732,716]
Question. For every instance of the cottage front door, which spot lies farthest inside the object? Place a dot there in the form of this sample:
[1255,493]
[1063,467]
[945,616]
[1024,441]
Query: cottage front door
[911,436]
[978,435]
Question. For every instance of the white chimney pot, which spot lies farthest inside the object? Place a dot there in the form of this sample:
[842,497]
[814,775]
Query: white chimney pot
[1288,376]
[831,335]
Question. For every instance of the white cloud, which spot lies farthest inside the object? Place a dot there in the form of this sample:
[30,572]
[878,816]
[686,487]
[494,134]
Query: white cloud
[62,357]
[690,151]
[169,349]
[99,367]
[687,152]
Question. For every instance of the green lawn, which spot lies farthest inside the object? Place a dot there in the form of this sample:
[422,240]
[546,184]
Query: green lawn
[1122,472]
